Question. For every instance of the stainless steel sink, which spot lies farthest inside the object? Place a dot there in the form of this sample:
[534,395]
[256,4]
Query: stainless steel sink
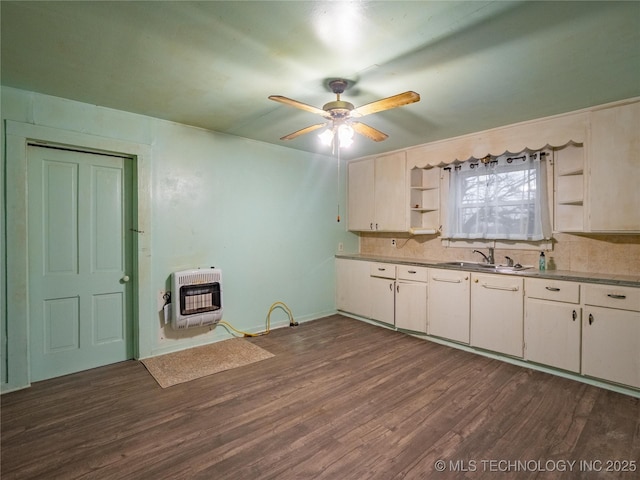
[484,267]
[507,269]
[473,265]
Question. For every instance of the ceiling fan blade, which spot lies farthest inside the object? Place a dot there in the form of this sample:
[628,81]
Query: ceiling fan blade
[302,131]
[369,132]
[386,104]
[300,105]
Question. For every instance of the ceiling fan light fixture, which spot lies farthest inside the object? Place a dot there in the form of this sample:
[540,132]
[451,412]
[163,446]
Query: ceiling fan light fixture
[345,135]
[326,137]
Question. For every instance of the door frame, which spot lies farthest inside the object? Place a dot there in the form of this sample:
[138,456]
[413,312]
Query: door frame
[18,136]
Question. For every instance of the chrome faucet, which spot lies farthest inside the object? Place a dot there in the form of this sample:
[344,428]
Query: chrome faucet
[488,259]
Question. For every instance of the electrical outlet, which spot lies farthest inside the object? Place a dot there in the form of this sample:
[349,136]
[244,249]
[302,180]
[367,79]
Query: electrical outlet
[340,247]
[393,242]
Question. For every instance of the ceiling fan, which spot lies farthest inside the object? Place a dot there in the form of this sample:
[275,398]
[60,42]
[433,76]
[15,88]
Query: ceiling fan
[341,115]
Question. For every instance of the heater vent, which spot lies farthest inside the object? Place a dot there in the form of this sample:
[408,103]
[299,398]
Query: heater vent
[194,277]
[198,297]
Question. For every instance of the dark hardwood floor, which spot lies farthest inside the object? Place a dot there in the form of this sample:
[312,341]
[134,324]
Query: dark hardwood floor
[341,399]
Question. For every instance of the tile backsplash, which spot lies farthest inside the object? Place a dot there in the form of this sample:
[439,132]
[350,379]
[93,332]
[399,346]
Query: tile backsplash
[609,254]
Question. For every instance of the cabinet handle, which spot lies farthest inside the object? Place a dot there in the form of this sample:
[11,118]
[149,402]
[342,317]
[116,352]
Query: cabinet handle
[590,319]
[376,226]
[412,271]
[398,288]
[552,289]
[499,287]
[391,287]
[448,280]
[371,226]
[380,269]
[617,297]
[574,315]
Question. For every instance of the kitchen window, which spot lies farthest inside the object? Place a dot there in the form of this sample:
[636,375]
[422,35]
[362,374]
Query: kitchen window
[503,198]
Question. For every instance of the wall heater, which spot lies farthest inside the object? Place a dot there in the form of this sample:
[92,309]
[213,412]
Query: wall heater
[197,298]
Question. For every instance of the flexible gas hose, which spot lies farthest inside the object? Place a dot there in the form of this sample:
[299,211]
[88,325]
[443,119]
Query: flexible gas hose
[292,322]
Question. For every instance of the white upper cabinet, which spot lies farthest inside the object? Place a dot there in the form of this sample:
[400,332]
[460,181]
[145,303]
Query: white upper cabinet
[596,173]
[361,196]
[378,194]
[596,184]
[614,169]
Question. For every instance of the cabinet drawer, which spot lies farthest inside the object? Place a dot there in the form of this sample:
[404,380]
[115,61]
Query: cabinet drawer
[417,274]
[384,270]
[624,298]
[552,290]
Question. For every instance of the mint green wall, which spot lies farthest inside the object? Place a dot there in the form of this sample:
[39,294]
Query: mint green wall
[264,214]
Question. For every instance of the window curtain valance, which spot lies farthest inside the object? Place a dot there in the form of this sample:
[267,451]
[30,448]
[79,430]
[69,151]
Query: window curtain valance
[553,132]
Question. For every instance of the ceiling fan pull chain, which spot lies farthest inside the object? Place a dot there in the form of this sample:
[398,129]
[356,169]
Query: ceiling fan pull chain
[338,189]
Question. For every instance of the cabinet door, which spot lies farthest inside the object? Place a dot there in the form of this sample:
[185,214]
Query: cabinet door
[391,209]
[497,309]
[448,305]
[361,195]
[382,299]
[614,163]
[411,306]
[352,286]
[611,345]
[552,334]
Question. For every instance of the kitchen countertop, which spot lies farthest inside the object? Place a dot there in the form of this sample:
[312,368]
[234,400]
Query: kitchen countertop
[568,275]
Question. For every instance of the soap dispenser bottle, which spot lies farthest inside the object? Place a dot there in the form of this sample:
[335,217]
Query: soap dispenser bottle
[542,263]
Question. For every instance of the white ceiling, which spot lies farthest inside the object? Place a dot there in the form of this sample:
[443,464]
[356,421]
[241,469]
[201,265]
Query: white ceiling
[476,65]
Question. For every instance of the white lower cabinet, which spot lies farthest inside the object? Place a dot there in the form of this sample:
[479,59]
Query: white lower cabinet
[448,306]
[411,298]
[611,334]
[497,313]
[552,323]
[352,286]
[399,296]
[585,328]
[374,290]
[382,294]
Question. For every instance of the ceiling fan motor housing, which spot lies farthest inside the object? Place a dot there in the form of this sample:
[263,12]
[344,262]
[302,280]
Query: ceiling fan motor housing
[338,108]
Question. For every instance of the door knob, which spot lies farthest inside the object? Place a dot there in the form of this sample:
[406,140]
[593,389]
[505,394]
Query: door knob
[125,279]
